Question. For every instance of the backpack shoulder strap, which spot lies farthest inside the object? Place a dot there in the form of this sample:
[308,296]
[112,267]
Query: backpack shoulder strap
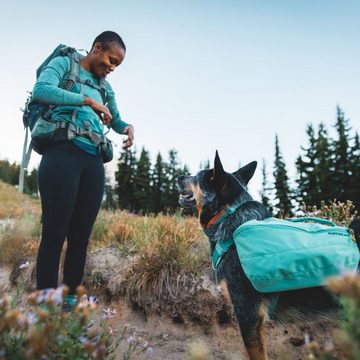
[103,92]
[73,76]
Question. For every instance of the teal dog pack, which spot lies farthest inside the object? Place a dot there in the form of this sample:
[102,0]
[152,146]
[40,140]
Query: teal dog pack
[279,255]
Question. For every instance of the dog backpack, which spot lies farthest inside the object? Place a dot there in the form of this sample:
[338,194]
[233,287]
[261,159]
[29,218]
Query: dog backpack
[34,111]
[279,255]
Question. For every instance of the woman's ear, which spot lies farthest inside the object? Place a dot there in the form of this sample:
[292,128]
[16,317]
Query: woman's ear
[97,48]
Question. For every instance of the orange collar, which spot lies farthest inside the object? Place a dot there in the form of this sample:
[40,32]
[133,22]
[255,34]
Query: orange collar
[224,212]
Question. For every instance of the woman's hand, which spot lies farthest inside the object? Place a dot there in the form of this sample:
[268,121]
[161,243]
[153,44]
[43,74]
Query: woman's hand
[129,131]
[102,111]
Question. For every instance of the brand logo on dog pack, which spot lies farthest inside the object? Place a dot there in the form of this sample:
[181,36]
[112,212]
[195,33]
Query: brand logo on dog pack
[337,233]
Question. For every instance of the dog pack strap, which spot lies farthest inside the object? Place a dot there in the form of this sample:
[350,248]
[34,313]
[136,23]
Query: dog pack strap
[314,219]
[220,250]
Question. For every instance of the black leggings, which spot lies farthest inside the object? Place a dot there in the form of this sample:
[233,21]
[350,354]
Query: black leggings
[71,185]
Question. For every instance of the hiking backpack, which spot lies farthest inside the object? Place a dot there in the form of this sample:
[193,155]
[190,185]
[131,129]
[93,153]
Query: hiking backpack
[33,111]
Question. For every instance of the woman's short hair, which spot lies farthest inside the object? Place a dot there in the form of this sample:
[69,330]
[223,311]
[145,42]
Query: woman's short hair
[107,37]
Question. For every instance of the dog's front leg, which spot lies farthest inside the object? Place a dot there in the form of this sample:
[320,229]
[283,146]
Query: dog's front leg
[248,308]
[254,339]
[251,323]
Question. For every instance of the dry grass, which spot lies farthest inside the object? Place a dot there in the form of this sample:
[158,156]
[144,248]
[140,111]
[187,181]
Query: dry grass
[15,205]
[167,253]
[174,240]
[19,240]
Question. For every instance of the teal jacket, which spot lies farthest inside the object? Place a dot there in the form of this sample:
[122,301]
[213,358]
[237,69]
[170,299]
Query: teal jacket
[69,104]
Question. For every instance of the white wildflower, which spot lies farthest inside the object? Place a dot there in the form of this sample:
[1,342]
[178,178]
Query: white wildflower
[131,340]
[108,313]
[32,318]
[83,340]
[24,266]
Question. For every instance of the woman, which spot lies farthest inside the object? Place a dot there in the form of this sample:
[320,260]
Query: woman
[71,173]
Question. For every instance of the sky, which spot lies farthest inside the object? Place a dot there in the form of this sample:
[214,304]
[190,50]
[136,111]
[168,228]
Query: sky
[199,75]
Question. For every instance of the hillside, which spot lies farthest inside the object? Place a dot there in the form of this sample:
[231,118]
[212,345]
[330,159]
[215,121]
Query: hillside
[154,274]
[14,205]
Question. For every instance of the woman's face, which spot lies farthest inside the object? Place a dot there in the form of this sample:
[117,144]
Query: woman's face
[105,61]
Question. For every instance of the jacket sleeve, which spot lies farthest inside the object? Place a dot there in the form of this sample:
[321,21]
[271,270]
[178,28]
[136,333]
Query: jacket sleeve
[46,89]
[116,123]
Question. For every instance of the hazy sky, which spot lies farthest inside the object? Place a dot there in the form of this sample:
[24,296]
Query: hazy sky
[199,75]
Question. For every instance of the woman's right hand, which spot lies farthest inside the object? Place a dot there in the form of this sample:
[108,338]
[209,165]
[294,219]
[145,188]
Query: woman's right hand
[100,109]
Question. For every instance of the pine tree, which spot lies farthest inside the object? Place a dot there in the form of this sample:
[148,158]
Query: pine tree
[204,165]
[30,182]
[354,191]
[124,177]
[158,179]
[323,166]
[143,197]
[282,191]
[109,202]
[314,177]
[5,171]
[173,170]
[265,189]
[306,182]
[342,155]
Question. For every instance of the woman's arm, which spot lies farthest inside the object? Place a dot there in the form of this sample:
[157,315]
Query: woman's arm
[117,124]
[46,89]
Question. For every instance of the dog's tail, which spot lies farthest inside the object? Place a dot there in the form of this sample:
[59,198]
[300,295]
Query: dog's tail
[355,226]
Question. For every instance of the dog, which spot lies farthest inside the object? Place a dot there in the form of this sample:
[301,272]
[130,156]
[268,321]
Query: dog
[212,192]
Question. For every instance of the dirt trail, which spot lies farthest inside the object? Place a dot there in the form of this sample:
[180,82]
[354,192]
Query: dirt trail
[169,340]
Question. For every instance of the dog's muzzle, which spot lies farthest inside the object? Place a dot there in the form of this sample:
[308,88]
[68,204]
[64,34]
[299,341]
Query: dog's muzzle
[187,199]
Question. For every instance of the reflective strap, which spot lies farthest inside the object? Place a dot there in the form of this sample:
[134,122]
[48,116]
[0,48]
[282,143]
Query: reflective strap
[61,124]
[220,250]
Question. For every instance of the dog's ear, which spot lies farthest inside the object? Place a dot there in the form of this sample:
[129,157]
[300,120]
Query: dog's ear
[245,173]
[219,177]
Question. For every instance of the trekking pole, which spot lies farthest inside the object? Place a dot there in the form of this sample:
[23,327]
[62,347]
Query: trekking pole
[22,165]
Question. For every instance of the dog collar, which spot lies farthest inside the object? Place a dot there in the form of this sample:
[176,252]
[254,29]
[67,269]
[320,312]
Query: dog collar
[224,212]
[222,247]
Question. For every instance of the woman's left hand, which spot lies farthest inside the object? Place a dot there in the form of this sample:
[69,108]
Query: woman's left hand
[129,131]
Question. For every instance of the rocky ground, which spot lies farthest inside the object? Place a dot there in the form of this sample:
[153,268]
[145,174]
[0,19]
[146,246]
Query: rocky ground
[169,336]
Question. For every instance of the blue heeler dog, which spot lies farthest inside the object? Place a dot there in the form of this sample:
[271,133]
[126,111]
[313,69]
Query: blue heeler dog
[212,192]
